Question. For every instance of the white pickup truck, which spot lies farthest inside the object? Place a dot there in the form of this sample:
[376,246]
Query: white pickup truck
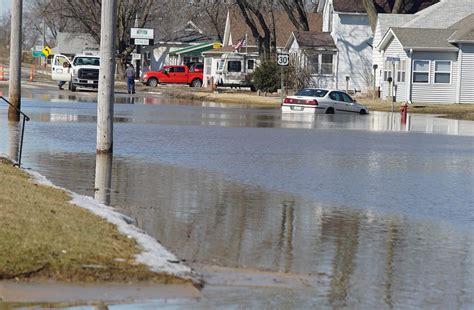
[82,71]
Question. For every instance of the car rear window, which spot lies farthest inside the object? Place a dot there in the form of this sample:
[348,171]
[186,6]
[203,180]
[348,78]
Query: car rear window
[312,92]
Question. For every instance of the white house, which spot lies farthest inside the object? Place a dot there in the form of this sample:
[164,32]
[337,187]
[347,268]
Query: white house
[438,16]
[236,29]
[427,56]
[187,39]
[71,44]
[315,52]
[348,24]
[431,65]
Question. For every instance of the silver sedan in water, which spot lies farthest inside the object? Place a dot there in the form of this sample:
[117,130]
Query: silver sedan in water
[318,100]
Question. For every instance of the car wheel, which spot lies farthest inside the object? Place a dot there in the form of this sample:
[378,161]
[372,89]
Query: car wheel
[330,111]
[196,83]
[72,87]
[153,82]
[253,88]
[363,112]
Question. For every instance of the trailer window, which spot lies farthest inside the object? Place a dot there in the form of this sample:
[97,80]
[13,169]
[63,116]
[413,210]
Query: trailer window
[250,64]
[221,65]
[234,66]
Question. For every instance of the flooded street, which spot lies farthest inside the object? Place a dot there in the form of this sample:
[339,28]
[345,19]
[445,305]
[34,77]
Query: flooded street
[377,214]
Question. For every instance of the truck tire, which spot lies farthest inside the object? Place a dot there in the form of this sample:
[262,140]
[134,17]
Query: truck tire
[196,83]
[72,87]
[153,82]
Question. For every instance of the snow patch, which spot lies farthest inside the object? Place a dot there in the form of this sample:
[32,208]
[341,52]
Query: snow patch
[153,255]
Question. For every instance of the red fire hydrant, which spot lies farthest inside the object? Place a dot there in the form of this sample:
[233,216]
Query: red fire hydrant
[403,113]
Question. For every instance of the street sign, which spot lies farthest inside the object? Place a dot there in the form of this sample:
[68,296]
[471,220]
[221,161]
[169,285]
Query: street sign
[283,59]
[136,56]
[393,59]
[46,51]
[142,42]
[141,33]
[37,54]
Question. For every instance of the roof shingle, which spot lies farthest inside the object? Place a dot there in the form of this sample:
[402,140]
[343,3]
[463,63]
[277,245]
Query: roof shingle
[284,27]
[314,39]
[428,38]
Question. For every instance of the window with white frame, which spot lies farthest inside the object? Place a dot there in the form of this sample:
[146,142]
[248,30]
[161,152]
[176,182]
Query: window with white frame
[312,63]
[401,71]
[421,71]
[326,64]
[208,64]
[442,72]
[320,64]
[387,70]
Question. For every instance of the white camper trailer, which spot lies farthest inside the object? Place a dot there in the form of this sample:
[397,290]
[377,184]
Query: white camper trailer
[235,70]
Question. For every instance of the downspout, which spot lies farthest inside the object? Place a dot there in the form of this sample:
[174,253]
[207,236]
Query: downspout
[458,83]
[410,80]
[337,70]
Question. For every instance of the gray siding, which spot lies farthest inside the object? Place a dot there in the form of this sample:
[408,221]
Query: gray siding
[395,49]
[436,93]
[467,74]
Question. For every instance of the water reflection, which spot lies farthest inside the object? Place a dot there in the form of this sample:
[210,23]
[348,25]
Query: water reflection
[385,217]
[370,259]
[103,178]
[379,121]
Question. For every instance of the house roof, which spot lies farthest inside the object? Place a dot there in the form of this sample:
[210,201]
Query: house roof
[314,40]
[353,6]
[284,27]
[442,14]
[189,33]
[194,50]
[230,49]
[464,30]
[385,21]
[424,38]
[74,43]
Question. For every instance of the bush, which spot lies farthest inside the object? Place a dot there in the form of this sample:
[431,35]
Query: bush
[267,77]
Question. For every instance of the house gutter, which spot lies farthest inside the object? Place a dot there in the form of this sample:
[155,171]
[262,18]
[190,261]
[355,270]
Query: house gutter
[458,84]
[410,78]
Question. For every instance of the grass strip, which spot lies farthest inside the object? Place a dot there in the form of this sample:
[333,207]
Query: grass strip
[42,235]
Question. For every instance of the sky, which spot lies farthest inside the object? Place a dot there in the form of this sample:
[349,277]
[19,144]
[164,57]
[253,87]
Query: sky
[4,6]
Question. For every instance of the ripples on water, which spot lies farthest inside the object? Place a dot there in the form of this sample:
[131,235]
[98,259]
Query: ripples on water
[385,216]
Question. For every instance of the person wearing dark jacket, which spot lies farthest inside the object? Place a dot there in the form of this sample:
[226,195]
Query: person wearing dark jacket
[130,76]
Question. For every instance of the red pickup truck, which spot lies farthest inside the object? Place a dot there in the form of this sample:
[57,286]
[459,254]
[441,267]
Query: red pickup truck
[172,75]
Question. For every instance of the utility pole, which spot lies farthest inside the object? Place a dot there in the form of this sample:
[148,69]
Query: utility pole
[105,97]
[14,86]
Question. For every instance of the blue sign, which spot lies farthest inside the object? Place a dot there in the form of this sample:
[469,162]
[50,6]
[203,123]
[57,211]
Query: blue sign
[393,59]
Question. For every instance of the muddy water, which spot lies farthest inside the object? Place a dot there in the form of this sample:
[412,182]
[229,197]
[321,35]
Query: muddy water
[381,213]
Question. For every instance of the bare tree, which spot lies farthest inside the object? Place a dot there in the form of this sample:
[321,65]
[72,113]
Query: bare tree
[86,15]
[256,15]
[296,10]
[373,7]
[5,26]
[213,15]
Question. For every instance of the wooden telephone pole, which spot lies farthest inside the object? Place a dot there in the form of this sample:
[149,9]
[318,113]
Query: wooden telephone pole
[14,86]
[105,97]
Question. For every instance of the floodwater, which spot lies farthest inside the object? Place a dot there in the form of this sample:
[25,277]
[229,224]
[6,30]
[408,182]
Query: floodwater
[379,214]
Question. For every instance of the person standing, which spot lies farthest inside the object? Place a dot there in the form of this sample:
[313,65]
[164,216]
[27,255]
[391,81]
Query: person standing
[130,76]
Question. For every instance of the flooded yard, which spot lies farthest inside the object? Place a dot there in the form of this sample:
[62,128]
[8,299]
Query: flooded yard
[380,213]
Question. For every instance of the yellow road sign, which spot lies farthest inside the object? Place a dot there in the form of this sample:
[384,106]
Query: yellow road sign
[46,51]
